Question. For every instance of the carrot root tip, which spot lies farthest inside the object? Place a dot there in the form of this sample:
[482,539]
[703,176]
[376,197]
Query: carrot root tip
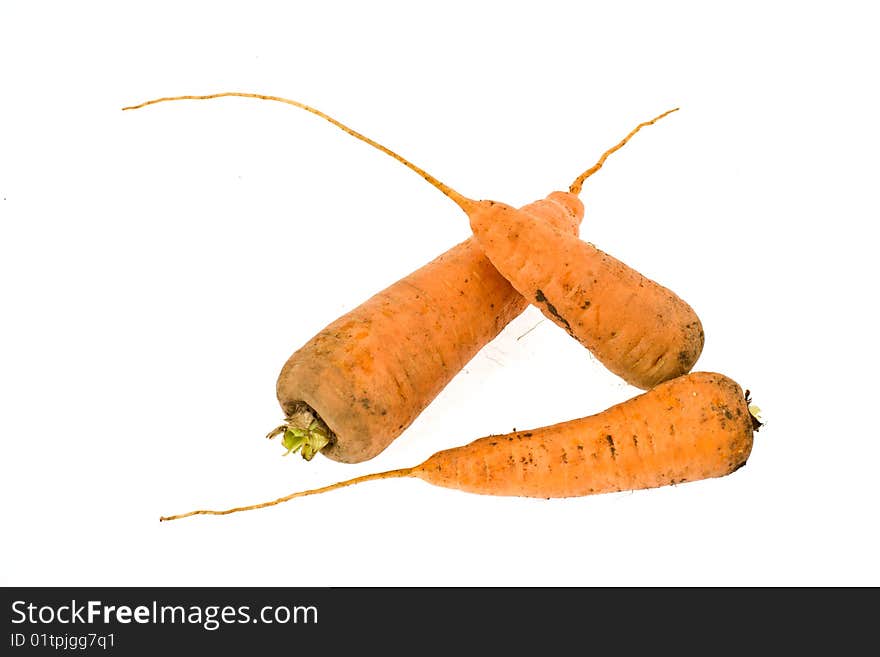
[577,185]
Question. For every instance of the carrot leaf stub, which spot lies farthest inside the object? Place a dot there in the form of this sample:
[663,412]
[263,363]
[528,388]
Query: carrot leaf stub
[307,441]
[303,433]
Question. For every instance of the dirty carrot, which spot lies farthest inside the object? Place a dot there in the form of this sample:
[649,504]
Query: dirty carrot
[697,426]
[356,386]
[639,329]
[363,379]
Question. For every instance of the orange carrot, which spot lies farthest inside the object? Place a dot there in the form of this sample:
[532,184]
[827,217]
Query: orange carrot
[363,379]
[360,382]
[637,328]
[693,427]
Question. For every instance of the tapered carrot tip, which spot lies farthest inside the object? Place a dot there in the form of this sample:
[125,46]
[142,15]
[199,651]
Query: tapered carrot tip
[403,472]
[575,187]
[462,201]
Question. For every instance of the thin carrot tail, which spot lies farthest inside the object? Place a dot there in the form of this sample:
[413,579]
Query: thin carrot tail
[463,202]
[389,474]
[575,187]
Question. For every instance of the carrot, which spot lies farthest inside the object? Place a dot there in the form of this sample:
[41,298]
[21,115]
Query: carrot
[363,379]
[694,427]
[356,386]
[637,328]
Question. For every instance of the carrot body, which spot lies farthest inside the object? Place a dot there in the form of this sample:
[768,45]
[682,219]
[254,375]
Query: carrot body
[638,329]
[690,428]
[371,372]
[693,427]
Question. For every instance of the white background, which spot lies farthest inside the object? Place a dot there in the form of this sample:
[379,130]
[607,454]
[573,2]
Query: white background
[159,266]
